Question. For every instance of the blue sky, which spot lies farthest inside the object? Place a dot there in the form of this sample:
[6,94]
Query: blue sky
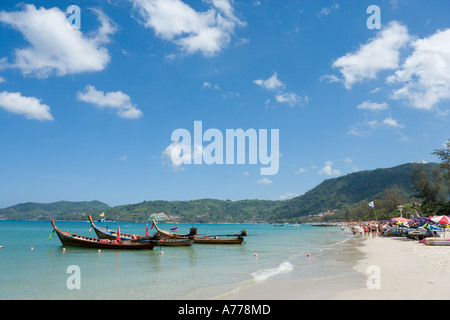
[88,114]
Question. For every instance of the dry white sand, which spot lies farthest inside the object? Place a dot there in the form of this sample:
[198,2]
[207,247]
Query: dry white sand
[407,270]
[404,269]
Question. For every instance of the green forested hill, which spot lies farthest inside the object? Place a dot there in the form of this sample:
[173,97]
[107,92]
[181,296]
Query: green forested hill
[203,210]
[61,210]
[350,190]
[338,193]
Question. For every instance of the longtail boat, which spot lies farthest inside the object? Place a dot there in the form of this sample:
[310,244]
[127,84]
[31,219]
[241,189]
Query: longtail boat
[219,239]
[172,235]
[104,233]
[71,239]
[174,242]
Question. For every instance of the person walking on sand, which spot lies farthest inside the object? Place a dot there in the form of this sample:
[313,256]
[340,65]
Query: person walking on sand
[366,230]
[374,230]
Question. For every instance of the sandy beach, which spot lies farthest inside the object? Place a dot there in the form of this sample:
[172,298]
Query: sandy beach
[385,269]
[408,270]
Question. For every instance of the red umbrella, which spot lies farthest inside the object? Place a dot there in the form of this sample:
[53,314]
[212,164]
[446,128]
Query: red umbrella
[441,219]
[400,219]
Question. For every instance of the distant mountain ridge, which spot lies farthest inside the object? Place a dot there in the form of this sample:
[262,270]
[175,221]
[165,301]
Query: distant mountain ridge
[61,210]
[197,211]
[350,190]
[337,193]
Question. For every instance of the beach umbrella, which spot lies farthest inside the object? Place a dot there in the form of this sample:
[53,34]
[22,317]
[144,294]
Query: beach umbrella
[441,219]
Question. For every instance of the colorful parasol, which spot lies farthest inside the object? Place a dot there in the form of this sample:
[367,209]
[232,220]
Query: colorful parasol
[400,219]
[441,219]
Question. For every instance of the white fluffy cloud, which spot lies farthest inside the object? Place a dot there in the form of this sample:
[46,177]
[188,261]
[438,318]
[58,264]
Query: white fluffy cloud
[54,46]
[271,83]
[176,154]
[300,171]
[372,106]
[362,128]
[288,195]
[207,32]
[380,53]
[291,98]
[389,122]
[327,10]
[421,79]
[264,181]
[328,170]
[30,107]
[275,84]
[425,74]
[116,100]
[174,148]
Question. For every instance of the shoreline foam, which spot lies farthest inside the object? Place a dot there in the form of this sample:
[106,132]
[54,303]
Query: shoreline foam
[326,274]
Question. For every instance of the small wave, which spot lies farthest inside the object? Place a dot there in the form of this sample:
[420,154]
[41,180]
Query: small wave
[265,274]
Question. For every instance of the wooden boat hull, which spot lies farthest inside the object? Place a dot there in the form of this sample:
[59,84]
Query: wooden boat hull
[435,242]
[70,239]
[219,240]
[204,240]
[174,242]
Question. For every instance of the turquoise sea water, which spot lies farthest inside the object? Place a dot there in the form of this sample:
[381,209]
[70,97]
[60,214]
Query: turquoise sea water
[195,272]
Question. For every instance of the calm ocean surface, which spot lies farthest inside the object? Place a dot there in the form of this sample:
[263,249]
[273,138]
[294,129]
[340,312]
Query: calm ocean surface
[196,272]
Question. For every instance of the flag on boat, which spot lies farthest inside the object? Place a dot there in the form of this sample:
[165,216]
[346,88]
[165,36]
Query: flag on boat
[102,214]
[174,228]
[371,204]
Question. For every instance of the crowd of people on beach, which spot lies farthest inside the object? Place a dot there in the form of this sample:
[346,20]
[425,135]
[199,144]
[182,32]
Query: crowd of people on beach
[369,229]
[410,228]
